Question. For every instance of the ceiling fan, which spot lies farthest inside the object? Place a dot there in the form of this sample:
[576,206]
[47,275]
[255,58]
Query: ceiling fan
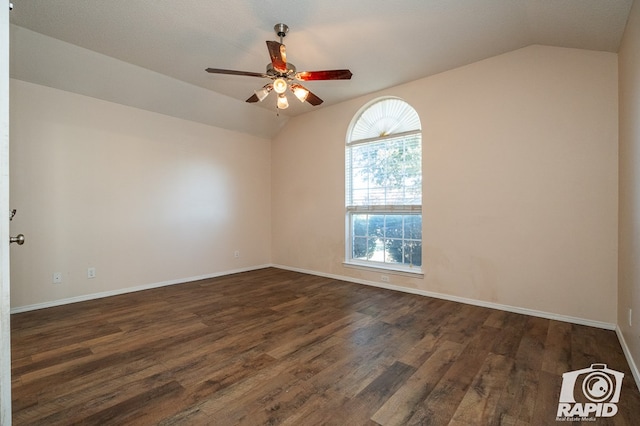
[284,75]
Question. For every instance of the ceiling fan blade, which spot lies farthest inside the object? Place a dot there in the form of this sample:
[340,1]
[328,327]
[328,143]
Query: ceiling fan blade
[278,55]
[234,72]
[305,94]
[324,75]
[253,99]
[313,99]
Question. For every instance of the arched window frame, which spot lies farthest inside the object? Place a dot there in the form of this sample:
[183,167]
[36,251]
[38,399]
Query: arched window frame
[383,205]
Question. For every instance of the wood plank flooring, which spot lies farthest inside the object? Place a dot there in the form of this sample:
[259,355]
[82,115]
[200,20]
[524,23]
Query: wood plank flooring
[278,347]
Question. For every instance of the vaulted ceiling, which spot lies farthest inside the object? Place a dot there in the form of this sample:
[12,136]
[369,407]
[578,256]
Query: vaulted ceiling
[384,43]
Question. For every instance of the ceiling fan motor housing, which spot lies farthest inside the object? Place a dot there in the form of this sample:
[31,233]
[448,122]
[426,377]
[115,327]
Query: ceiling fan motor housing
[291,70]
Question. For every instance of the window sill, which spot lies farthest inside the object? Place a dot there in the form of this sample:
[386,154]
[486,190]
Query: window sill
[412,273]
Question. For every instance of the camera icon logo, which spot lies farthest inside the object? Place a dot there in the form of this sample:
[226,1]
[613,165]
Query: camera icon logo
[592,391]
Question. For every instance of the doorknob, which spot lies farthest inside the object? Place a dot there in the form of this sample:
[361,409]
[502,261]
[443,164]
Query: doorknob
[19,239]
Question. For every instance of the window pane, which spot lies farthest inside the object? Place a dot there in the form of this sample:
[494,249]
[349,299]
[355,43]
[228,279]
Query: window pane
[413,253]
[393,226]
[361,250]
[413,227]
[376,226]
[360,224]
[393,250]
[377,254]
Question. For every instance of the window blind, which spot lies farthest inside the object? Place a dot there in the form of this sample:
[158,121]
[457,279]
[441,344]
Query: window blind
[384,173]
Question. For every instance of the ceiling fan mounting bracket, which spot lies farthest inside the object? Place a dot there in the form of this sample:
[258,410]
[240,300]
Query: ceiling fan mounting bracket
[281,30]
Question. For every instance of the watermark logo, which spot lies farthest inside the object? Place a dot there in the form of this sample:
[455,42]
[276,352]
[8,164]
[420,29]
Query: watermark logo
[589,393]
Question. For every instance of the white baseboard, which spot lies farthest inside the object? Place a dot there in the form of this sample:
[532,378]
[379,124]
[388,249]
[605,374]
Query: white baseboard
[93,296]
[481,303]
[627,354]
[508,308]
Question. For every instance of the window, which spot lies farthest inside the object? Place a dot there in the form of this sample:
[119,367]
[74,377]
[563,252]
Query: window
[384,187]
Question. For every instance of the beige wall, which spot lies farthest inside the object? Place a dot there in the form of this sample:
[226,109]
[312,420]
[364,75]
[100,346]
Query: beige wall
[520,195]
[629,234]
[520,183]
[142,197]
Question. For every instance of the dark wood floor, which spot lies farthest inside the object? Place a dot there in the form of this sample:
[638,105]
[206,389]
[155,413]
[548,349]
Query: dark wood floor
[279,347]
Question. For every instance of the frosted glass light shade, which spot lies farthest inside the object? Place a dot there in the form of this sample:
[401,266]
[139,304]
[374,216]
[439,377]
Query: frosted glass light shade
[283,102]
[300,92]
[279,85]
[262,93]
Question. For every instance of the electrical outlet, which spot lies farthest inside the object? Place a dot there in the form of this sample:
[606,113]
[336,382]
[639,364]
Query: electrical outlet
[236,254]
[91,272]
[630,314]
[384,278]
[57,277]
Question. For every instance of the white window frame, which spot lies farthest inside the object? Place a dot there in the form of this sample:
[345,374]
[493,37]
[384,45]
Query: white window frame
[396,209]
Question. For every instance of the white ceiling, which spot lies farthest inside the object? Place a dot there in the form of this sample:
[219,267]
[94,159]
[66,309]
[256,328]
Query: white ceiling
[383,42]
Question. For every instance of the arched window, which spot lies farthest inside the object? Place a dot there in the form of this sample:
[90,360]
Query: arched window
[384,186]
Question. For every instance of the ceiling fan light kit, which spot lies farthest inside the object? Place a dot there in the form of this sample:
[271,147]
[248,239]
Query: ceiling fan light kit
[283,74]
[283,102]
[262,93]
[300,92]
[279,85]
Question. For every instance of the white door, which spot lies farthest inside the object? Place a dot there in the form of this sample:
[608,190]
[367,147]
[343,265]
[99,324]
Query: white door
[5,330]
